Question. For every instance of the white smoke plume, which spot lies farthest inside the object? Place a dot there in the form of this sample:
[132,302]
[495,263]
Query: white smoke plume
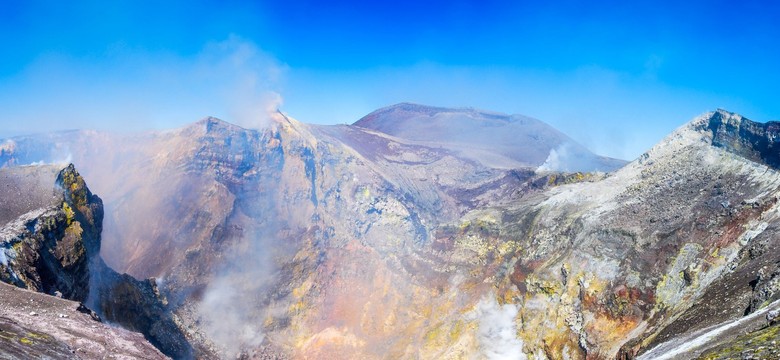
[566,158]
[497,330]
[138,89]
[238,299]
[246,79]
[226,313]
[560,159]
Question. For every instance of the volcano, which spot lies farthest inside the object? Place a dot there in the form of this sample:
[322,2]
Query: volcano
[425,232]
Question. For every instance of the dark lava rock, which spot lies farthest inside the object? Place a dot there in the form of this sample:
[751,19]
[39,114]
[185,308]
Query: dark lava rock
[50,243]
[758,142]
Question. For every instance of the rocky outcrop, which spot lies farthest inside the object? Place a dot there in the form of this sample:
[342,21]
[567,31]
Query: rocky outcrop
[758,142]
[56,232]
[51,244]
[137,305]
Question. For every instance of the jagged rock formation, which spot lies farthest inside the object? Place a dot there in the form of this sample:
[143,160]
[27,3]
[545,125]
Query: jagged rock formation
[754,141]
[366,241]
[51,230]
[50,243]
[137,305]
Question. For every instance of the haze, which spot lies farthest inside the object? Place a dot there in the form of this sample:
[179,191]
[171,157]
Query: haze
[614,77]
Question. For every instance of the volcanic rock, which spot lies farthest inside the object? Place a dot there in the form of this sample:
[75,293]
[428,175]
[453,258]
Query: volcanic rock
[51,242]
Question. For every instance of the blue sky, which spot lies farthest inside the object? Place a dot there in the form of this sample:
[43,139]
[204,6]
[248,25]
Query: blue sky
[616,76]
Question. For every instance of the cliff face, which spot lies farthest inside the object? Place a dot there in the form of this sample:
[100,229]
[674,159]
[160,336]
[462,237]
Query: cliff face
[137,305]
[51,243]
[755,141]
[253,234]
[48,241]
[344,241]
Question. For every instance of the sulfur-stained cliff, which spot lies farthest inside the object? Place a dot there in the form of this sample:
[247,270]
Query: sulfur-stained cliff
[51,230]
[50,243]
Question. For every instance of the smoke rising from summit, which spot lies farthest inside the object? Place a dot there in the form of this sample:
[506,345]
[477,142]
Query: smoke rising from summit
[138,89]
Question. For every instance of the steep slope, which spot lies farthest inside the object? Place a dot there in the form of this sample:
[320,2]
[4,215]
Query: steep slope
[37,326]
[494,139]
[751,282]
[624,257]
[584,268]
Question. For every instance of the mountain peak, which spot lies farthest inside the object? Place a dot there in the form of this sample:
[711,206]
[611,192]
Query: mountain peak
[210,123]
[406,109]
[493,139]
[213,124]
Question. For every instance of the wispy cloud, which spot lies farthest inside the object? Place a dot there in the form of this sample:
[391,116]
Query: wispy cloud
[133,89]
